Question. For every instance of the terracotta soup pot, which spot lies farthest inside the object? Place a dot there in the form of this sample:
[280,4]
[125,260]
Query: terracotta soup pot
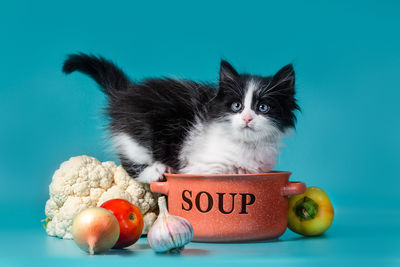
[233,207]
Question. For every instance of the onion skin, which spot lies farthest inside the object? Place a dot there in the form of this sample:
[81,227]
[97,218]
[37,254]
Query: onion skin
[95,230]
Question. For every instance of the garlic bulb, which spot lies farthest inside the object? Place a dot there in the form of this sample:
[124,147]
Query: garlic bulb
[169,233]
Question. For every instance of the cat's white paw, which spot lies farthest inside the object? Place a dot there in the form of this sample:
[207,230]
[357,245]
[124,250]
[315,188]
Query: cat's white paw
[152,173]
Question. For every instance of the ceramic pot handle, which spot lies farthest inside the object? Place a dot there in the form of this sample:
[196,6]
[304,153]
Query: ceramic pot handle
[293,188]
[159,187]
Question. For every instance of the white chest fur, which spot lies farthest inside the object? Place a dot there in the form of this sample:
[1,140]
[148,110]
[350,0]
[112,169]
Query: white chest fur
[212,149]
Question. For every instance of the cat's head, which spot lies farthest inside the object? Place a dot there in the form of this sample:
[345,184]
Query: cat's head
[255,107]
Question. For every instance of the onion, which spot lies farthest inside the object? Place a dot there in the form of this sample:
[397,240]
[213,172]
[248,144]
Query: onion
[95,230]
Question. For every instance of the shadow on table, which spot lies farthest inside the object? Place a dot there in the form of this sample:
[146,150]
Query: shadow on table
[297,238]
[140,246]
[120,252]
[128,251]
[247,242]
[195,251]
[185,252]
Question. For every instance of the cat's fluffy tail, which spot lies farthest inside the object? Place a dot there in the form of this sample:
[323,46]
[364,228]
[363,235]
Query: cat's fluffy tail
[104,72]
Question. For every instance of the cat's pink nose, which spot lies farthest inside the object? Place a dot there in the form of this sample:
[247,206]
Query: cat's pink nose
[247,118]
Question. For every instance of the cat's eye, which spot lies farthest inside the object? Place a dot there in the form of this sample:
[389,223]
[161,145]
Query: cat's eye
[263,108]
[236,106]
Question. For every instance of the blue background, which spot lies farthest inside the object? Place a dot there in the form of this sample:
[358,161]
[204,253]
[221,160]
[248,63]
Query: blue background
[346,56]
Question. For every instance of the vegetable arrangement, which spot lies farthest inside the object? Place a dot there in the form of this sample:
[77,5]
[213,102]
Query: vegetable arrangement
[119,223]
[101,207]
[84,182]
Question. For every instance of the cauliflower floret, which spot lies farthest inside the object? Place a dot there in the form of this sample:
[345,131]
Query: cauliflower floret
[51,208]
[109,165]
[61,223]
[83,182]
[121,177]
[114,192]
[76,176]
[59,189]
[96,193]
[138,187]
[149,218]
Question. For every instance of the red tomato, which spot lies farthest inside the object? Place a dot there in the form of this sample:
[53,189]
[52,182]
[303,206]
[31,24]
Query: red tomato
[130,221]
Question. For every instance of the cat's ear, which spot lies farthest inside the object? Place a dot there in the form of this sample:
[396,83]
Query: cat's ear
[284,79]
[227,72]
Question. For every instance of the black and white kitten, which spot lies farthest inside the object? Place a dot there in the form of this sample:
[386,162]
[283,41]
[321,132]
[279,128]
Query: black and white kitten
[170,125]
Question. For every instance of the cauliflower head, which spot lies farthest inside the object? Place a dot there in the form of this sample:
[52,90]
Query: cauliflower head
[84,182]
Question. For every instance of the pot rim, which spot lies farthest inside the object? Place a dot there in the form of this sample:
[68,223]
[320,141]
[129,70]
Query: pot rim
[188,176]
